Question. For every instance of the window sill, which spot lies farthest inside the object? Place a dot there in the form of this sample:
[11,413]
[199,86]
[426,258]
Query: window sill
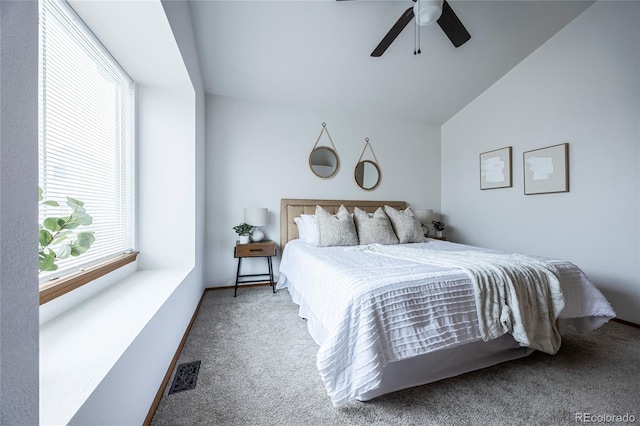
[80,347]
[64,285]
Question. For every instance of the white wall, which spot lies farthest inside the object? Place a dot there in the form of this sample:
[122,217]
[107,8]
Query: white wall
[18,212]
[166,183]
[179,15]
[581,87]
[257,153]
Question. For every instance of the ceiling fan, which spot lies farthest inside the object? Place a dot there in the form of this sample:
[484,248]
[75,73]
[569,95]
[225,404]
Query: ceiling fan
[426,12]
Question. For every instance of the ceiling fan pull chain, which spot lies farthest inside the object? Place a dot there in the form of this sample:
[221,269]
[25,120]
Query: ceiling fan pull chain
[417,24]
[416,32]
[415,37]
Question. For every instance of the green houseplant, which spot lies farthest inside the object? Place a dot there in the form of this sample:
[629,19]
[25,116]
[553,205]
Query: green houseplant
[438,226]
[243,230]
[57,237]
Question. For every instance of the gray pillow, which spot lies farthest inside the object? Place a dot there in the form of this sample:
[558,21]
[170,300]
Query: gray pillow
[336,230]
[406,225]
[374,229]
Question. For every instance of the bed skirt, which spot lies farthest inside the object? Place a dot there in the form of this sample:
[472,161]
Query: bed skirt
[446,363]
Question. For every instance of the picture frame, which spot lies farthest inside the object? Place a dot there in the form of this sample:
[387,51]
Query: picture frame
[546,170]
[495,169]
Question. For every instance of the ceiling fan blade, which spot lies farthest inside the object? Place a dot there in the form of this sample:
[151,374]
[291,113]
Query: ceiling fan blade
[397,28]
[452,26]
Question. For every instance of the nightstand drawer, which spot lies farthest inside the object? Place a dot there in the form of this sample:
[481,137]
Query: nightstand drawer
[262,248]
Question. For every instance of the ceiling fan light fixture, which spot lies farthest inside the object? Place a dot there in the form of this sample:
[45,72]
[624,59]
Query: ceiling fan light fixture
[427,11]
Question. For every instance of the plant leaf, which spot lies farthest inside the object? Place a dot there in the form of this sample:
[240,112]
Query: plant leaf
[52,224]
[72,202]
[63,251]
[83,219]
[51,203]
[45,237]
[86,238]
[71,225]
[59,239]
[77,250]
[47,262]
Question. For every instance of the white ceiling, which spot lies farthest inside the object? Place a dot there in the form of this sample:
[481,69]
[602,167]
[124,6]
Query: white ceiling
[315,54]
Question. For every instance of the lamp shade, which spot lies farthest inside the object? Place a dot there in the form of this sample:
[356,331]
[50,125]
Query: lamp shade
[427,11]
[256,216]
[425,216]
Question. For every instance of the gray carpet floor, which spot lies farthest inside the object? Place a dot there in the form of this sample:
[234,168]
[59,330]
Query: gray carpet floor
[258,368]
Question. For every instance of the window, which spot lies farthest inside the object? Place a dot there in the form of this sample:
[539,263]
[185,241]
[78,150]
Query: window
[86,147]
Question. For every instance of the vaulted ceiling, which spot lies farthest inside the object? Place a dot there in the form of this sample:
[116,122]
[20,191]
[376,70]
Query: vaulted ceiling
[316,54]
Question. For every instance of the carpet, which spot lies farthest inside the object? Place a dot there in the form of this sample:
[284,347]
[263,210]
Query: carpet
[258,368]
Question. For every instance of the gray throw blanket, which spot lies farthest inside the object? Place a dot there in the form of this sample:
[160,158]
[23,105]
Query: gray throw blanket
[514,293]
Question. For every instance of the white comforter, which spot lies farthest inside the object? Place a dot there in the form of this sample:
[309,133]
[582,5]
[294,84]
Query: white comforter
[366,310]
[514,293]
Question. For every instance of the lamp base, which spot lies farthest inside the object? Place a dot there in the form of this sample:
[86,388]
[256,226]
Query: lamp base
[257,235]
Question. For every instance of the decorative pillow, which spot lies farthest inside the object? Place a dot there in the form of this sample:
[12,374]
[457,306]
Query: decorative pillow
[374,229]
[336,230]
[307,228]
[406,225]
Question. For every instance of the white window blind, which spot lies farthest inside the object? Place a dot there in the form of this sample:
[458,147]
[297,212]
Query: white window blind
[86,135]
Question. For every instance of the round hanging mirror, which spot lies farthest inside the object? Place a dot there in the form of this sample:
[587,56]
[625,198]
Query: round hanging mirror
[324,162]
[367,175]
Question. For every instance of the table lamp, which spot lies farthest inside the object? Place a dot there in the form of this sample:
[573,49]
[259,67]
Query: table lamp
[425,216]
[256,216]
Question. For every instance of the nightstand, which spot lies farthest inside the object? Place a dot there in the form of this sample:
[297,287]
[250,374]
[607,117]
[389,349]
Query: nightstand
[266,248]
[438,238]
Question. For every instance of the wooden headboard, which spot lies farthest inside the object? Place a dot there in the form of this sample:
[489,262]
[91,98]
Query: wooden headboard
[290,208]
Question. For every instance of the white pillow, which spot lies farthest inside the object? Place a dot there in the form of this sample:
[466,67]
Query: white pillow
[406,225]
[374,228]
[336,230]
[307,228]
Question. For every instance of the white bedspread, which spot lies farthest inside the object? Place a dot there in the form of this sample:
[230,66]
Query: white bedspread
[514,293]
[366,310]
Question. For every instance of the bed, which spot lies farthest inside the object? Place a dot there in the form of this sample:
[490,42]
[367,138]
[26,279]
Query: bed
[388,317]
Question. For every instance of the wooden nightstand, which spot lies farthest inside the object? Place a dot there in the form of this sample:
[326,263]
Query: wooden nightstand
[266,248]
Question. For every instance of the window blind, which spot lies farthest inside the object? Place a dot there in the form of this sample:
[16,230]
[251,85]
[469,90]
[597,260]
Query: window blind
[86,136]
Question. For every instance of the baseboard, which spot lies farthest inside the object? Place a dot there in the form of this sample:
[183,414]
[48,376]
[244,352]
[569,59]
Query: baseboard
[629,323]
[264,284]
[167,376]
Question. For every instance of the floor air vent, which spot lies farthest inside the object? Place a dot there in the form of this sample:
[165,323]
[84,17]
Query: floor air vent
[186,377]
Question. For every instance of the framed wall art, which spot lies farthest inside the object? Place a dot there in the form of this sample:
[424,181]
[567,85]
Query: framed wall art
[495,169]
[546,170]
